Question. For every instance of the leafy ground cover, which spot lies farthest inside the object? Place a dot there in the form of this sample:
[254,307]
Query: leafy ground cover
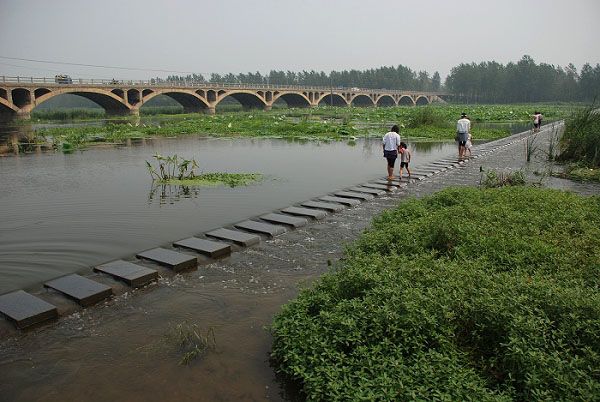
[469,294]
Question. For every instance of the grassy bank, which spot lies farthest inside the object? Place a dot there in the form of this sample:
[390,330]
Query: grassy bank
[468,294]
[432,122]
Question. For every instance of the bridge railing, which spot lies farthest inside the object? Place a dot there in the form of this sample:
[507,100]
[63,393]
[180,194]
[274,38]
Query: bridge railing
[67,81]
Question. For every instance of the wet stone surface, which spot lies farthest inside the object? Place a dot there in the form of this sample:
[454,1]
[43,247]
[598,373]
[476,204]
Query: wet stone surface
[313,213]
[340,200]
[354,194]
[133,274]
[169,258]
[260,227]
[328,206]
[285,219]
[25,309]
[235,236]
[85,291]
[207,247]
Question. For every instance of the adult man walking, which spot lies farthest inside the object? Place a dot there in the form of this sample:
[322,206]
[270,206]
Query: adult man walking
[463,127]
[391,146]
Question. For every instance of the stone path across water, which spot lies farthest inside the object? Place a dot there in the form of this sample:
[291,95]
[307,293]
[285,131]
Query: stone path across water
[86,291]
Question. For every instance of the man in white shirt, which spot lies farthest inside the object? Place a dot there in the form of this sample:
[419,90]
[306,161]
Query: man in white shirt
[463,128]
[391,145]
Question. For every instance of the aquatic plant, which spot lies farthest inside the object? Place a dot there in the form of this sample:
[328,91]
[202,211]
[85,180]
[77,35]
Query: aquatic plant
[189,341]
[172,168]
[469,294]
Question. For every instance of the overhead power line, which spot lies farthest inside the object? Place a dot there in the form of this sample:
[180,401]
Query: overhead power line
[101,66]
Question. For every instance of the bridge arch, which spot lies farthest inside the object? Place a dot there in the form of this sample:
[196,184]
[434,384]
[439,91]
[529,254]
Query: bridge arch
[248,99]
[332,99]
[361,100]
[406,100]
[189,99]
[421,101]
[385,101]
[292,99]
[110,102]
[6,108]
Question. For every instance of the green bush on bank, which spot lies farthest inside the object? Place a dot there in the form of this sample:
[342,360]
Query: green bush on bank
[465,295]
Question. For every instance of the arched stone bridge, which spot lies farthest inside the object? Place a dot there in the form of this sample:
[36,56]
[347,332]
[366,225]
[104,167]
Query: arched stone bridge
[19,96]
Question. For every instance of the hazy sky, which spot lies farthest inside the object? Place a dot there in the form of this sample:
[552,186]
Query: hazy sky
[260,35]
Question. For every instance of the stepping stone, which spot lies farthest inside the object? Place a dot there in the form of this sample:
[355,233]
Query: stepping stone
[133,274]
[25,309]
[328,206]
[241,238]
[285,219]
[340,200]
[354,194]
[85,291]
[376,186]
[394,183]
[260,227]
[368,190]
[213,249]
[169,258]
[313,213]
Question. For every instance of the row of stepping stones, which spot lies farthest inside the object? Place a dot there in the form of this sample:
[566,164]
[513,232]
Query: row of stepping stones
[26,310]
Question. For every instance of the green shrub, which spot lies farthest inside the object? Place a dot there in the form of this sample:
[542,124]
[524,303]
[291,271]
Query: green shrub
[465,295]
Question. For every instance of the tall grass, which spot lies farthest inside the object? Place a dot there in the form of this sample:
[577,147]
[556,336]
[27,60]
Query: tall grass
[68,114]
[580,142]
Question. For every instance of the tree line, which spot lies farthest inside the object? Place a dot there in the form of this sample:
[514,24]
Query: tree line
[524,81]
[400,77]
[486,82]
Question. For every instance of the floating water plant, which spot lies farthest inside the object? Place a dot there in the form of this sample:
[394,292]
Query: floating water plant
[175,170]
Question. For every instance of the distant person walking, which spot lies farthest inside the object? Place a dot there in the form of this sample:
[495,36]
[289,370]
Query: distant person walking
[391,146]
[463,127]
[540,116]
[536,122]
[404,159]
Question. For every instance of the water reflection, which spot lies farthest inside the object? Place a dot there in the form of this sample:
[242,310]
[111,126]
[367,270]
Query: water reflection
[171,193]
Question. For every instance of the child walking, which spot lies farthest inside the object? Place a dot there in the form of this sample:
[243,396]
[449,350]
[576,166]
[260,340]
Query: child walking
[404,159]
[469,145]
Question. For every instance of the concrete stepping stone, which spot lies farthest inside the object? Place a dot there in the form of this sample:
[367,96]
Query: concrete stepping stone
[85,291]
[394,183]
[25,309]
[260,227]
[354,194]
[241,238]
[371,191]
[285,219]
[210,248]
[328,206]
[132,274]
[172,259]
[376,186]
[313,213]
[341,200]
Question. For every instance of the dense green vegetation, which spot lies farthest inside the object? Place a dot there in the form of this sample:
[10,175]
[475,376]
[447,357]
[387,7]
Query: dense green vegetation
[580,145]
[431,122]
[469,294]
[524,81]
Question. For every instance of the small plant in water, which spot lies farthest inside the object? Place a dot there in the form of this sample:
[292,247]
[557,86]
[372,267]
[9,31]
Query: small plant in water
[172,168]
[190,341]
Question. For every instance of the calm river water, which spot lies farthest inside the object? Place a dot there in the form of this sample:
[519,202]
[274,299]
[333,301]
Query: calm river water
[63,213]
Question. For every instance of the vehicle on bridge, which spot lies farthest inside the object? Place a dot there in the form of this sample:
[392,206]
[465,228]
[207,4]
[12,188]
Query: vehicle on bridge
[63,79]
